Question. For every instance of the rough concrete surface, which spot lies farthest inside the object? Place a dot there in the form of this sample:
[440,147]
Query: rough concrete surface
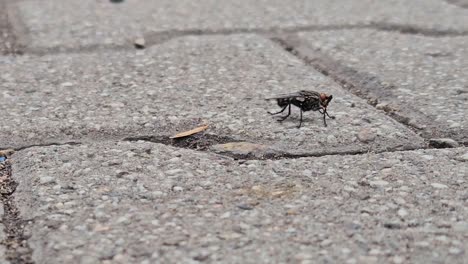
[220,80]
[426,74]
[131,202]
[92,93]
[3,258]
[74,24]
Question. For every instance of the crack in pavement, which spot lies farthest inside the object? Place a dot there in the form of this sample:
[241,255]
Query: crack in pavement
[157,38]
[203,142]
[17,247]
[71,143]
[361,84]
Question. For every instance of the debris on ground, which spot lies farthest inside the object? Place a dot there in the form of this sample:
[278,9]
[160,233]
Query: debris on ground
[190,132]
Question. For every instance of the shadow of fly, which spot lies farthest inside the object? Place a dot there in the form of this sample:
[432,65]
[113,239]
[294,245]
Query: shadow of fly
[305,101]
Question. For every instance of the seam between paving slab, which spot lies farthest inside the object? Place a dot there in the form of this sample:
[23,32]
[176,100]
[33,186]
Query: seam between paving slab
[17,247]
[203,141]
[156,38]
[358,83]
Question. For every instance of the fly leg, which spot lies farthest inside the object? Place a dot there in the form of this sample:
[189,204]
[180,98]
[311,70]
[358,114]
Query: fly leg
[324,122]
[332,117]
[300,122]
[325,113]
[286,116]
[281,111]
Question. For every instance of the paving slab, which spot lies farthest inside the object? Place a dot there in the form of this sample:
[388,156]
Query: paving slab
[72,24]
[423,78]
[140,202]
[221,81]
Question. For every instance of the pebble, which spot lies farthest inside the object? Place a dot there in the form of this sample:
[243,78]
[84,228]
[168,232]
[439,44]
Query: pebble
[422,244]
[398,259]
[463,157]
[178,188]
[366,135]
[174,172]
[378,183]
[331,139]
[46,179]
[443,143]
[402,213]
[139,43]
[461,227]
[455,251]
[245,207]
[67,84]
[326,243]
[438,185]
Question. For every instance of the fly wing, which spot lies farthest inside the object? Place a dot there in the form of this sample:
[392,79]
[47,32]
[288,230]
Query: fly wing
[296,95]
[310,94]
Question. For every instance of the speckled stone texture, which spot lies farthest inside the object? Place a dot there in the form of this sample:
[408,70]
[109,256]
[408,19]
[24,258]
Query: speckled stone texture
[74,24]
[426,74]
[219,80]
[122,202]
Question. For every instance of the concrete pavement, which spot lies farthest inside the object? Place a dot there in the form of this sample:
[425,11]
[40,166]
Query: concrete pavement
[96,178]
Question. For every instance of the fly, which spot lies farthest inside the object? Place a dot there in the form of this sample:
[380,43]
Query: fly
[305,101]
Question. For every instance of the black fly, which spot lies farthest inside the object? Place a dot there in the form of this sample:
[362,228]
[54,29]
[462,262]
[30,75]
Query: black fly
[305,101]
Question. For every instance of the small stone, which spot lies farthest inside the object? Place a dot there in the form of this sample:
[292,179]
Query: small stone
[455,251]
[225,215]
[174,172]
[366,135]
[304,256]
[378,183]
[67,84]
[422,244]
[177,188]
[398,259]
[368,259]
[461,227]
[439,185]
[331,139]
[158,194]
[245,207]
[139,43]
[463,157]
[326,243]
[402,213]
[120,173]
[443,143]
[46,179]
[202,255]
[307,173]
[174,241]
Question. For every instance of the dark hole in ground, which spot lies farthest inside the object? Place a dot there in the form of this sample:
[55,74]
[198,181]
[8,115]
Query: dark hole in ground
[197,142]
